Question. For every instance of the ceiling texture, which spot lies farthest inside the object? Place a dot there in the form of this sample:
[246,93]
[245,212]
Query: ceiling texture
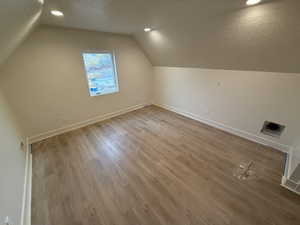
[216,34]
[131,16]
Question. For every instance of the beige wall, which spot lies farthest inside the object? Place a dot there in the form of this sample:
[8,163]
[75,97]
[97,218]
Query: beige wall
[241,100]
[12,165]
[44,80]
[17,19]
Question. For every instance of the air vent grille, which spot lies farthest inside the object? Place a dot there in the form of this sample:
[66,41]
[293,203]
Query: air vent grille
[272,129]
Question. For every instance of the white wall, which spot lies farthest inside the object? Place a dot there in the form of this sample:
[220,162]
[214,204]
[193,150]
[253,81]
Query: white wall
[295,157]
[297,151]
[242,100]
[45,82]
[12,166]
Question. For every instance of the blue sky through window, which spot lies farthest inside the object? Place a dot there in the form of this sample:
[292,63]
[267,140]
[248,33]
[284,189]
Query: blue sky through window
[100,72]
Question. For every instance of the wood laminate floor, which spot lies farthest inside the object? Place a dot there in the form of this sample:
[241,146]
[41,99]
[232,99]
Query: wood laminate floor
[154,167]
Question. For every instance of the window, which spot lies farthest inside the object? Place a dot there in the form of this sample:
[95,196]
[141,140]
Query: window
[101,73]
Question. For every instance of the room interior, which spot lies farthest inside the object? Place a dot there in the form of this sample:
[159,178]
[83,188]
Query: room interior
[149,112]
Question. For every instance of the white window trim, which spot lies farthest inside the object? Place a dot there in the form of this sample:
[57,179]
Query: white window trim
[115,71]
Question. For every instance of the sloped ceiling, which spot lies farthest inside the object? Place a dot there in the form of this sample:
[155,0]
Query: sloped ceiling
[264,37]
[17,19]
[218,34]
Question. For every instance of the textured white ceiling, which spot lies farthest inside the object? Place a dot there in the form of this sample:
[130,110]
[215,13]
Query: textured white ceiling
[130,16]
[264,37]
[221,34]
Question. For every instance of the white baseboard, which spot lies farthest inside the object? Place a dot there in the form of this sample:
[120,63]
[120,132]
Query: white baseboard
[289,189]
[26,201]
[240,133]
[291,155]
[78,125]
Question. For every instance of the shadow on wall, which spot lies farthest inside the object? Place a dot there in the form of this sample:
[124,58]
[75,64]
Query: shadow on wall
[15,29]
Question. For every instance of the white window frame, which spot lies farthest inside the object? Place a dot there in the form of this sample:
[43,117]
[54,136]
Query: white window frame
[112,53]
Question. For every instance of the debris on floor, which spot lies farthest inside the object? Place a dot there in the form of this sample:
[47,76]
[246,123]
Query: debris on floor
[245,171]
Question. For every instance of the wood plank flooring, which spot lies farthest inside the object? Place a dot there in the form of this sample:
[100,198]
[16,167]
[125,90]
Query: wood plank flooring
[154,167]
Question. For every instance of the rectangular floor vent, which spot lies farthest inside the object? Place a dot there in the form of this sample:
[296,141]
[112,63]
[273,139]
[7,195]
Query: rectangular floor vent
[272,129]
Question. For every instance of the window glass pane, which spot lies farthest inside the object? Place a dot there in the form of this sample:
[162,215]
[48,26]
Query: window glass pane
[100,72]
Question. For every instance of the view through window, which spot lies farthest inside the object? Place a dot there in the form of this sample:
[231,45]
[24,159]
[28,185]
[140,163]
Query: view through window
[101,73]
